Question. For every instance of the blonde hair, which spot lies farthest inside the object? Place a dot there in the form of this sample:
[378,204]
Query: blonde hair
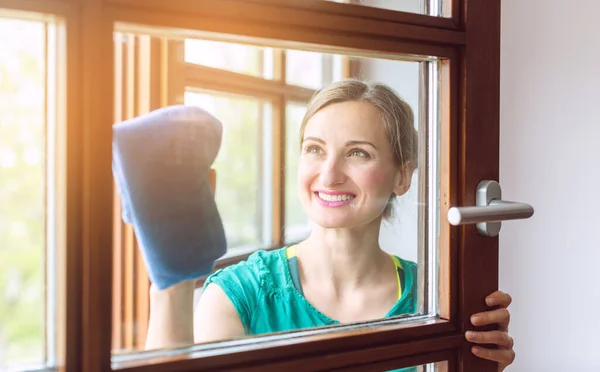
[396,115]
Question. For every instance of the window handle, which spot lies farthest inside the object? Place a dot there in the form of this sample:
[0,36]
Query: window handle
[489,210]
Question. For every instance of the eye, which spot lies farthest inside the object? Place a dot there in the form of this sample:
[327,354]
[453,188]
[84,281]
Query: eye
[313,149]
[360,153]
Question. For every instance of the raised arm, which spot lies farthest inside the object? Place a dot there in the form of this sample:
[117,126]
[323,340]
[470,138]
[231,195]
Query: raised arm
[160,164]
[171,316]
[173,321]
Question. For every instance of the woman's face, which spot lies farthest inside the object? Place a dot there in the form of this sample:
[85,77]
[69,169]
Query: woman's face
[346,171]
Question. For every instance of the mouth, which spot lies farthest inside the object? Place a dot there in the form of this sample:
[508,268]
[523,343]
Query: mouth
[338,198]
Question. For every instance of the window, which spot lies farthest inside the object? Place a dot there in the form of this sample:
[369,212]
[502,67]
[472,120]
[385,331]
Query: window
[296,221]
[412,6]
[243,198]
[243,59]
[98,73]
[31,166]
[256,112]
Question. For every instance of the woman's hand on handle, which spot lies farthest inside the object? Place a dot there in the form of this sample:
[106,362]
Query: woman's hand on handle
[503,354]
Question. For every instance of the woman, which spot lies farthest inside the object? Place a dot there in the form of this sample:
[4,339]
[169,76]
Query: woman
[358,152]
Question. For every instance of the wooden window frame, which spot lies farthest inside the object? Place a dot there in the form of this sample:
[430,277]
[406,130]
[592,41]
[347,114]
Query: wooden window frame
[468,45]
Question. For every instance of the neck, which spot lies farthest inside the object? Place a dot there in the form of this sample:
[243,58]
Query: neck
[346,258]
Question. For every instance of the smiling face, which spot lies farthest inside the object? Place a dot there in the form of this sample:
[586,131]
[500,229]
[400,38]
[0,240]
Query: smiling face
[347,171]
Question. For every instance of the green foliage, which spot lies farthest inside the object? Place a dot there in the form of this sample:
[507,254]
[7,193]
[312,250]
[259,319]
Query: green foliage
[294,212]
[238,164]
[22,187]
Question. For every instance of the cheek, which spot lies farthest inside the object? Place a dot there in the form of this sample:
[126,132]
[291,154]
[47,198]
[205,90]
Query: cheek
[306,173]
[377,179]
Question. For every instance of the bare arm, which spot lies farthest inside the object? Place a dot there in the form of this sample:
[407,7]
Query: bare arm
[173,321]
[215,318]
[171,316]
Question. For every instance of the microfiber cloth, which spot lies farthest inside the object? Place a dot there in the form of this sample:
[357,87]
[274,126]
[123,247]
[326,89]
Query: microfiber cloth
[161,164]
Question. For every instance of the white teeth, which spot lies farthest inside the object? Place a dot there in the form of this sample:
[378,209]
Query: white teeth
[335,198]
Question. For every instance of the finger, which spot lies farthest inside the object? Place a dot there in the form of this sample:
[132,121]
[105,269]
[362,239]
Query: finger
[503,357]
[499,316]
[502,339]
[499,298]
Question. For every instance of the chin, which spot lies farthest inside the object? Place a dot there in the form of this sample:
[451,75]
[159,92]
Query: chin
[337,219]
[344,218]
[332,223]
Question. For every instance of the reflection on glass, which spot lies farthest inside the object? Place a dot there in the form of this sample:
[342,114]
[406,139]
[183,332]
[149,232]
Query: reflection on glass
[410,6]
[399,234]
[243,59]
[238,165]
[431,367]
[305,69]
[285,203]
[22,186]
[296,221]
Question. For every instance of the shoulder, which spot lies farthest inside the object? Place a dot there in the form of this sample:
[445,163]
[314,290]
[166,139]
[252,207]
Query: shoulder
[256,271]
[259,261]
[248,282]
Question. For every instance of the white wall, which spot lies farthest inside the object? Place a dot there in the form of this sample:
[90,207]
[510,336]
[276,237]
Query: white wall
[400,234]
[550,157]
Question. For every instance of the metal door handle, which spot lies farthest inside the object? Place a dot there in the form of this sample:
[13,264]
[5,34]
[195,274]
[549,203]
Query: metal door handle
[489,210]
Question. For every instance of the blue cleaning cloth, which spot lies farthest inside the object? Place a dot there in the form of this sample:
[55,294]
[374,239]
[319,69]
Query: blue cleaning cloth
[161,164]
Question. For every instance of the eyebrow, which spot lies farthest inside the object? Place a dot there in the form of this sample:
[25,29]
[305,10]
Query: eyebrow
[348,143]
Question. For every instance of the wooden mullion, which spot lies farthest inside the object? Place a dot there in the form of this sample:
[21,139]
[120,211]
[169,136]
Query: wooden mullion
[227,88]
[157,52]
[279,66]
[448,273]
[96,87]
[74,209]
[279,118]
[280,34]
[351,67]
[223,80]
[117,317]
[128,238]
[175,75]
[142,282]
[313,16]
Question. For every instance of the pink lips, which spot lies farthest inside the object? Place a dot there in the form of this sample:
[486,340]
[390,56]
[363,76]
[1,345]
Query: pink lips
[333,204]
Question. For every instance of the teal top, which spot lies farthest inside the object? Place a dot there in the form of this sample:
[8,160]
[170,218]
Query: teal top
[266,299]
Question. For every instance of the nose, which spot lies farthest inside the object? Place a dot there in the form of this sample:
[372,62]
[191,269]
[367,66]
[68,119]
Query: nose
[332,172]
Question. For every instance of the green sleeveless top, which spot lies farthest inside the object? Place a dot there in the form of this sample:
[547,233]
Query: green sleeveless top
[266,292]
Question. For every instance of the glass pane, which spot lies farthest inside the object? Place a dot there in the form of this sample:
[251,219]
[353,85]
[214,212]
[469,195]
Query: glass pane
[243,59]
[430,367]
[399,233]
[410,6]
[296,222]
[238,165]
[22,193]
[304,69]
[291,197]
